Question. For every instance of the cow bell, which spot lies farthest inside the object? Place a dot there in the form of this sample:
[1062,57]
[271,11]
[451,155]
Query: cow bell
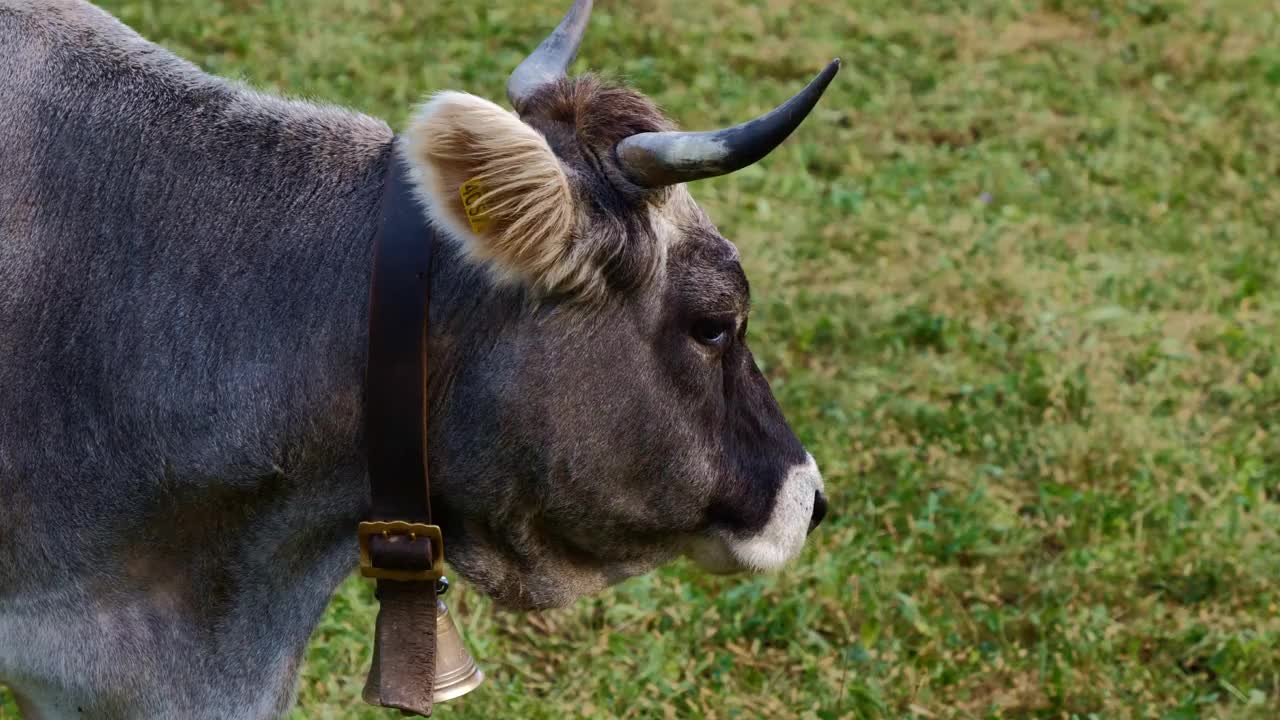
[393,683]
[456,671]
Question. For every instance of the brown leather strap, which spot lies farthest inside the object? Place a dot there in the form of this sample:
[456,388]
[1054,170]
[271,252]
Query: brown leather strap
[403,672]
[395,428]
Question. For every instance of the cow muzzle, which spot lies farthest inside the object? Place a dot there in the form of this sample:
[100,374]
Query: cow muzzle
[797,510]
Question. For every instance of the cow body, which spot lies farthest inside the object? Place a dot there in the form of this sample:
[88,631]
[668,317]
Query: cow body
[184,280]
[176,496]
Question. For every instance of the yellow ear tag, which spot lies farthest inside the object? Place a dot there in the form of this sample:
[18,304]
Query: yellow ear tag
[472,192]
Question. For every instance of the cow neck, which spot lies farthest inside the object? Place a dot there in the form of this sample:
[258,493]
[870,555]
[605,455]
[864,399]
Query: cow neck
[400,548]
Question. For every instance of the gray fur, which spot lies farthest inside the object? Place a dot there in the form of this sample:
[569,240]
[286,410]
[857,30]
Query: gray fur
[184,270]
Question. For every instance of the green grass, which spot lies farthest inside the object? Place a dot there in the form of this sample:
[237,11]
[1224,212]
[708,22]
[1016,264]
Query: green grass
[1017,288]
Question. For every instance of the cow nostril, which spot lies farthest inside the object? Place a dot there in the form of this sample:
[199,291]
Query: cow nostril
[819,509]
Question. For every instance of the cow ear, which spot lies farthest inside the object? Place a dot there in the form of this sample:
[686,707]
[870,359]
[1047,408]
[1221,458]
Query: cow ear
[494,184]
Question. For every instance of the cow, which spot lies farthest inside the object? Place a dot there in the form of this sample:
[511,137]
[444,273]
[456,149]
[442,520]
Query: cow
[184,295]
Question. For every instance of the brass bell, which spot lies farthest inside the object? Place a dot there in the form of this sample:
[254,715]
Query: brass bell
[456,671]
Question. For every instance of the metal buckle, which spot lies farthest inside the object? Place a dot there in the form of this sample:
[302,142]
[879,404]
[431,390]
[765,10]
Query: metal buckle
[414,531]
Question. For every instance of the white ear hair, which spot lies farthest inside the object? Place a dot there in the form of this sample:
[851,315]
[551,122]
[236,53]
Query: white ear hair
[494,185]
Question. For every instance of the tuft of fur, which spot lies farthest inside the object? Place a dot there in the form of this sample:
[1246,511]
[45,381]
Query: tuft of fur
[619,248]
[598,113]
[524,192]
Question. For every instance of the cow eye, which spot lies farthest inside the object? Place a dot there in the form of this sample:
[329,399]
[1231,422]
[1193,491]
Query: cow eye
[713,332]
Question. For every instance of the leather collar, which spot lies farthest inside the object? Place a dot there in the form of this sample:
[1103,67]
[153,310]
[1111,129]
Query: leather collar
[399,545]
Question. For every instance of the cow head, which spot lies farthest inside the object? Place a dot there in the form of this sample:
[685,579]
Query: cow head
[601,412]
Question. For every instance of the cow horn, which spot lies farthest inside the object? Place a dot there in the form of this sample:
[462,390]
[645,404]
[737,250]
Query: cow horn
[657,159]
[550,61]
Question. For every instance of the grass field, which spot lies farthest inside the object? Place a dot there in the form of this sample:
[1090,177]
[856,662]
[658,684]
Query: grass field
[1017,286]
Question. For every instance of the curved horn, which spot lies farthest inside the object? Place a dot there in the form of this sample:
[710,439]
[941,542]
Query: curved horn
[656,159]
[550,61]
